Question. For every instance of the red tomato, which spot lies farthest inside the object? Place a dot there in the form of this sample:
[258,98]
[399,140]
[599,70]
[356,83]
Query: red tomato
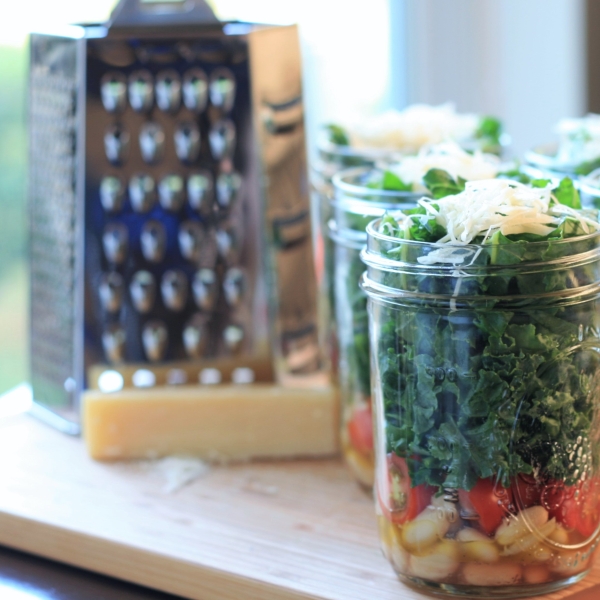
[566,505]
[489,500]
[589,516]
[580,507]
[398,500]
[360,430]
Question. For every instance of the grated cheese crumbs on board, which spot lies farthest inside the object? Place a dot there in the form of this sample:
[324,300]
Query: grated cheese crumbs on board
[449,157]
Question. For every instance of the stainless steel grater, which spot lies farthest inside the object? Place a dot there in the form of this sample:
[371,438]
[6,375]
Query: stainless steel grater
[169,212]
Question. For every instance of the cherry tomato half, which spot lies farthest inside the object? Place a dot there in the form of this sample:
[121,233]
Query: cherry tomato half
[589,516]
[360,429]
[580,507]
[399,501]
[489,500]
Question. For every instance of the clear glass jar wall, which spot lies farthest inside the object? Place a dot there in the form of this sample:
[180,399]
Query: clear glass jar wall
[353,207]
[486,388]
[333,158]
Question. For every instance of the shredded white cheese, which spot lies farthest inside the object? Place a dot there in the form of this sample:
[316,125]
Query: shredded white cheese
[414,127]
[492,205]
[449,157]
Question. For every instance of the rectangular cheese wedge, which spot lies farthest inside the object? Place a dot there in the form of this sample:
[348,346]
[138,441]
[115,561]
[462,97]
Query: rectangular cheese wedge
[220,422]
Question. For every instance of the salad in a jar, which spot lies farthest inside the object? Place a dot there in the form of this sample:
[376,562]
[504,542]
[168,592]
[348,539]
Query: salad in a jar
[373,141]
[363,194]
[485,331]
[418,125]
[577,151]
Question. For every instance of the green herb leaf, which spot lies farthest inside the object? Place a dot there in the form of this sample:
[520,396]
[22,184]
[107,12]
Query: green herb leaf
[337,135]
[587,167]
[389,226]
[515,174]
[391,182]
[440,183]
[567,194]
[490,129]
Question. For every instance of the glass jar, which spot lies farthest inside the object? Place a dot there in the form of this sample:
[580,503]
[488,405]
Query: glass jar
[333,158]
[352,208]
[542,162]
[486,387]
[589,189]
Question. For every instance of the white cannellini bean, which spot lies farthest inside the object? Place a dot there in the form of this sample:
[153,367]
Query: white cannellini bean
[399,558]
[418,535]
[443,513]
[394,551]
[538,554]
[485,552]
[526,542]
[536,574]
[437,565]
[516,526]
[468,534]
[484,575]
[560,535]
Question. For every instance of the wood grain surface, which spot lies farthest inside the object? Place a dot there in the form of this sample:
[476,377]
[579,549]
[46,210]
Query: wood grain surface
[262,531]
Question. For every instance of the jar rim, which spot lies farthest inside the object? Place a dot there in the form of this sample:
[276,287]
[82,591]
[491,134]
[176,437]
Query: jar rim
[341,181]
[589,189]
[377,234]
[378,260]
[544,156]
[325,146]
[382,293]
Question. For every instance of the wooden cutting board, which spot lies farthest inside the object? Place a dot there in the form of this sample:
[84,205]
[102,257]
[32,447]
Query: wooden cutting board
[267,531]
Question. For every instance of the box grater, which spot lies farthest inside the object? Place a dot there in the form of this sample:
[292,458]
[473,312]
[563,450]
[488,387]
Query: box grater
[169,213]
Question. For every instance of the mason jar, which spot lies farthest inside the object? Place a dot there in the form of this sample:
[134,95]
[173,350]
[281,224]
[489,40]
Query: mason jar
[486,396]
[352,208]
[542,162]
[331,159]
[589,189]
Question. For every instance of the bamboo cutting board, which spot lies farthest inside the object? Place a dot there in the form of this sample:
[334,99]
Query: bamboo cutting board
[268,531]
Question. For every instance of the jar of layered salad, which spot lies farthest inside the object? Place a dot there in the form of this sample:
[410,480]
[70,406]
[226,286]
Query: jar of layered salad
[377,141]
[354,206]
[589,189]
[575,153]
[362,194]
[484,311]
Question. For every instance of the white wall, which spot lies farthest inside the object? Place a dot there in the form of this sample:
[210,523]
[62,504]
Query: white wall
[520,59]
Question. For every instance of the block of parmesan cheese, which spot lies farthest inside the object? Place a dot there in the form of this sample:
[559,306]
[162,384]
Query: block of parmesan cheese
[220,422]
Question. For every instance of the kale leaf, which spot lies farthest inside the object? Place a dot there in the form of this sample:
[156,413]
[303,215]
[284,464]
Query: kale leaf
[488,389]
[337,135]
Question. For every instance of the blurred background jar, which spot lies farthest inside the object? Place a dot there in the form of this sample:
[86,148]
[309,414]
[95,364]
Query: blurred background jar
[381,140]
[355,204]
[576,151]
[362,194]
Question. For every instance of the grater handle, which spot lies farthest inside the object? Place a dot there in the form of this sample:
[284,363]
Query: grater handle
[144,13]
